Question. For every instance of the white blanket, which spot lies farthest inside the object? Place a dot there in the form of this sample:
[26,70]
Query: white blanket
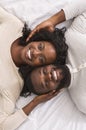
[34,11]
[60,113]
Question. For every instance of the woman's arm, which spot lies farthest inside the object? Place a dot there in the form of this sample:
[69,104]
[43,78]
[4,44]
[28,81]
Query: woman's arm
[10,121]
[4,15]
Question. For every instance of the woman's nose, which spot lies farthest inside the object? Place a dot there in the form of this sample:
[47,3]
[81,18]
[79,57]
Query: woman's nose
[35,53]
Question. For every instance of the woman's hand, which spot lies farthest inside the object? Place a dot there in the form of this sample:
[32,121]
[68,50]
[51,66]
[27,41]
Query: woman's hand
[37,100]
[45,97]
[46,25]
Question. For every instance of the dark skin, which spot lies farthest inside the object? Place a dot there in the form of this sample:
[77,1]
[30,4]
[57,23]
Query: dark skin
[46,79]
[33,54]
[50,23]
[37,100]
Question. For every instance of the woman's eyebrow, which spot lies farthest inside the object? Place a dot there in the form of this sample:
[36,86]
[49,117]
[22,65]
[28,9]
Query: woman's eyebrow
[43,44]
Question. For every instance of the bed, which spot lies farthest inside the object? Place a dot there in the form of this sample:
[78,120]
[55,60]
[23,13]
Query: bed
[60,113]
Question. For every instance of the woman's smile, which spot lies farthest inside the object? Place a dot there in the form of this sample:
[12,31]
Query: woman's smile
[28,54]
[38,53]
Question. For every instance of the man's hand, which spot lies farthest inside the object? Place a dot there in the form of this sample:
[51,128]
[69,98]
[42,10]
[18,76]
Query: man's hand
[44,25]
[49,24]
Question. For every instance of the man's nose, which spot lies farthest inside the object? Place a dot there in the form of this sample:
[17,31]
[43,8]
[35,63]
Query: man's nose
[48,76]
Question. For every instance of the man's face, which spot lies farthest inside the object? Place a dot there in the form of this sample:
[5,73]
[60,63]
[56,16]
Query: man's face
[46,79]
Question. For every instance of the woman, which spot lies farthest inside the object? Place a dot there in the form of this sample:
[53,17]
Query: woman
[12,56]
[76,39]
[44,47]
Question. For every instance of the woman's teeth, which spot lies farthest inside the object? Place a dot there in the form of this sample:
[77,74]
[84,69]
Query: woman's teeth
[29,54]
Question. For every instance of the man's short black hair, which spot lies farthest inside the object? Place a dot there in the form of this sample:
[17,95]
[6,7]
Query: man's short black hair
[28,87]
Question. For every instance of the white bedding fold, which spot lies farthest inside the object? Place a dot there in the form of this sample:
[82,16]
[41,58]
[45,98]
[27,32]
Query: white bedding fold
[57,114]
[34,12]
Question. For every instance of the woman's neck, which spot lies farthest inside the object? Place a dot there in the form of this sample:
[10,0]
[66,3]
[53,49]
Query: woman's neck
[16,53]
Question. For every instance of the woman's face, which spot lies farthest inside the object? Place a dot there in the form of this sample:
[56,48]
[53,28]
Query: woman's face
[45,79]
[39,53]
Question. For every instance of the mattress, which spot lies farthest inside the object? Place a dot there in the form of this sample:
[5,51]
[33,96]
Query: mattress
[60,113]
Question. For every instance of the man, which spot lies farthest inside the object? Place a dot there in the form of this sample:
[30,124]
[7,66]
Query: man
[75,38]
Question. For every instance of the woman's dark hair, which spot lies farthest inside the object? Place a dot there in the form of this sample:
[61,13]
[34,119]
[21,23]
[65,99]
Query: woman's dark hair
[29,88]
[56,38]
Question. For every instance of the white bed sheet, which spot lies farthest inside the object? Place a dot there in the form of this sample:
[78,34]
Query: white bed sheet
[60,113]
[57,114]
[34,11]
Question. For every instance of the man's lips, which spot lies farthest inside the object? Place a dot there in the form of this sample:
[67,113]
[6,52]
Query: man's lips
[54,75]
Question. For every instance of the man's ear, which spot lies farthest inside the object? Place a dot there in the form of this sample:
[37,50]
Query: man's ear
[54,90]
[61,89]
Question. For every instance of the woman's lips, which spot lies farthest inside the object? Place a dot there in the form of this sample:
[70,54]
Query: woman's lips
[29,54]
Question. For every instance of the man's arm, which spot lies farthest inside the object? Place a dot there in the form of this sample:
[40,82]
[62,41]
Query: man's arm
[71,10]
[74,8]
